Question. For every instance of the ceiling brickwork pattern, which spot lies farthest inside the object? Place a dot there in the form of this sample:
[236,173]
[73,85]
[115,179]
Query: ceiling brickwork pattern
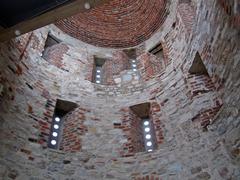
[117,24]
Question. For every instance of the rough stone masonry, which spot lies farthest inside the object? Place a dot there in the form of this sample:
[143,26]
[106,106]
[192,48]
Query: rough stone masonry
[195,116]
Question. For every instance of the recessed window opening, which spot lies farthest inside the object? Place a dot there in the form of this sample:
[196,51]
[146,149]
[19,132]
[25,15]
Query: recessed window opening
[199,79]
[50,41]
[131,53]
[61,109]
[134,65]
[157,51]
[148,135]
[98,70]
[148,132]
[198,67]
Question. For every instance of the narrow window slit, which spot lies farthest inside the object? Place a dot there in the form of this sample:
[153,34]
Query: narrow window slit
[142,111]
[62,108]
[98,70]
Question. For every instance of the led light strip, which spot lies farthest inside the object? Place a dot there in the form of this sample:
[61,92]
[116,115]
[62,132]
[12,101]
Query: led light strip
[98,76]
[147,136]
[134,65]
[55,131]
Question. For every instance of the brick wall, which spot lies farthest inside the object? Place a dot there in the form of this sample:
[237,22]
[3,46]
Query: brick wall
[117,23]
[228,8]
[30,88]
[132,127]
[150,66]
[112,67]
[73,130]
[199,84]
[187,14]
[206,117]
[157,124]
[54,55]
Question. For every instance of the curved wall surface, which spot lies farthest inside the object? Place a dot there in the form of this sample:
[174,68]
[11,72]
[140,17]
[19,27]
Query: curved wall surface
[117,24]
[195,116]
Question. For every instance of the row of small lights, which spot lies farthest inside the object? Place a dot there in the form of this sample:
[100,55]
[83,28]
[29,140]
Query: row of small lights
[134,65]
[148,136]
[98,76]
[54,133]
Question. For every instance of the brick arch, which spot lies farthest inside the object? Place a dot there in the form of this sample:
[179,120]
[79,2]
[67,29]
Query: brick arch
[117,24]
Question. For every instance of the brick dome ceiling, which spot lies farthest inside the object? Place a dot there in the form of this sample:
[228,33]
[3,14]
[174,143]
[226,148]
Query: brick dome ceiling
[117,24]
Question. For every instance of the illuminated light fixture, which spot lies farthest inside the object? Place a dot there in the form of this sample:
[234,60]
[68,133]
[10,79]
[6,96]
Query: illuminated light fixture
[87,5]
[53,142]
[56,126]
[98,76]
[149,143]
[134,69]
[133,61]
[146,123]
[134,65]
[17,32]
[147,129]
[98,71]
[148,136]
[98,82]
[57,119]
[55,134]
[150,150]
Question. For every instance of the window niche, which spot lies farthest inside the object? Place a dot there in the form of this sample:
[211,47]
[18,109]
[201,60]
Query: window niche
[98,71]
[132,56]
[50,41]
[157,51]
[200,83]
[62,108]
[198,78]
[197,67]
[146,125]
[153,63]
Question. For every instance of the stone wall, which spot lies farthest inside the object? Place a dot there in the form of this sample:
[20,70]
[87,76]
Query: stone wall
[197,130]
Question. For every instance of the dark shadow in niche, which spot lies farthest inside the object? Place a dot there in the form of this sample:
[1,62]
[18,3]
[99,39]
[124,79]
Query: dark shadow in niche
[198,67]
[185,1]
[141,110]
[50,41]
[62,108]
[131,53]
[157,50]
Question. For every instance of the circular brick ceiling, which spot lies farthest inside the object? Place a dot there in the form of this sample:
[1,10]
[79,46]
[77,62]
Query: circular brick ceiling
[117,24]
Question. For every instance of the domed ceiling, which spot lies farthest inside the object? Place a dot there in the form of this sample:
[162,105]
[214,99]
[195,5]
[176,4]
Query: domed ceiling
[117,24]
